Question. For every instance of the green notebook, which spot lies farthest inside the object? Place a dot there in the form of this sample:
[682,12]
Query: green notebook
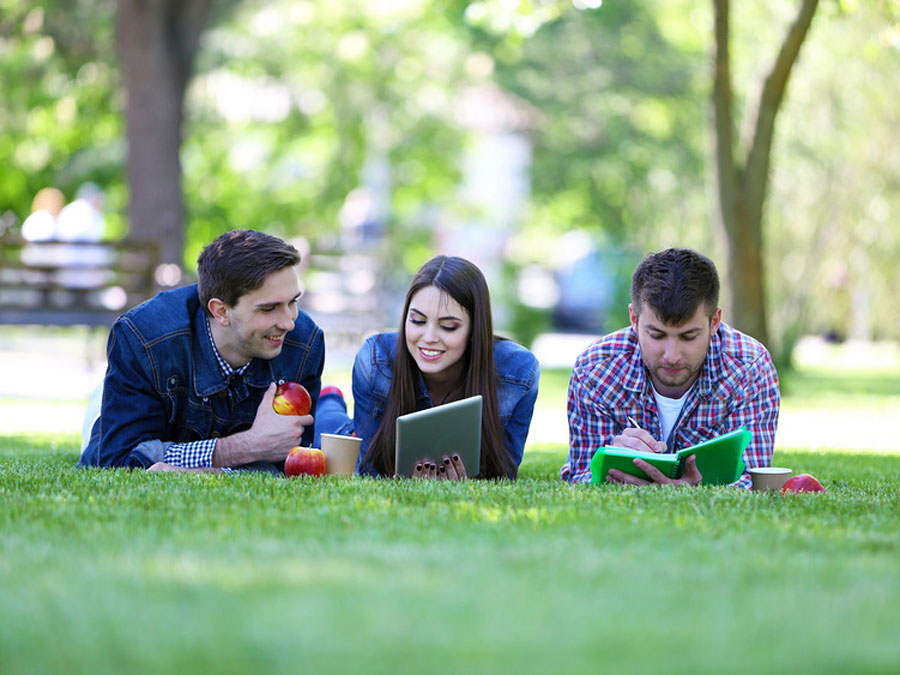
[720,459]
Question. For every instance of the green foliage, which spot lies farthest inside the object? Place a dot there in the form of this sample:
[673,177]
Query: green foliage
[619,142]
[60,112]
[316,97]
[296,104]
[833,243]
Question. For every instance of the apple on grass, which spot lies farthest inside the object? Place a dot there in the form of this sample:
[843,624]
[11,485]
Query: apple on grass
[802,483]
[304,462]
[291,399]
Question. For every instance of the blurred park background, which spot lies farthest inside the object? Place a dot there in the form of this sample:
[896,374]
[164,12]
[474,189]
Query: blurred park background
[552,142]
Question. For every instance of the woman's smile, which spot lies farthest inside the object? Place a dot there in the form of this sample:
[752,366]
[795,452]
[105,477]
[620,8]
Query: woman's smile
[437,334]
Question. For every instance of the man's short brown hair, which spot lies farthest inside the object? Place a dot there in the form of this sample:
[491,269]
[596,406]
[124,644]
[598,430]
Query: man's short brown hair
[238,262]
[674,283]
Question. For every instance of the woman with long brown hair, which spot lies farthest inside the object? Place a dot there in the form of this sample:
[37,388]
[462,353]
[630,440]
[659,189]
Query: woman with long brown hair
[444,350]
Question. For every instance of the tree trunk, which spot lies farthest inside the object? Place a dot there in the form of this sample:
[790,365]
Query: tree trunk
[742,189]
[157,41]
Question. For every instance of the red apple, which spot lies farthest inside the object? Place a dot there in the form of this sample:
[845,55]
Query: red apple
[291,399]
[304,461]
[802,482]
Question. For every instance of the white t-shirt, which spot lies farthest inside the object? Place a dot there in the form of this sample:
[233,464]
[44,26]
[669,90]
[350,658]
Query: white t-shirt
[669,410]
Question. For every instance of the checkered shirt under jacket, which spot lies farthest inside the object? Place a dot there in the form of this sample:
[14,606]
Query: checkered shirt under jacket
[200,453]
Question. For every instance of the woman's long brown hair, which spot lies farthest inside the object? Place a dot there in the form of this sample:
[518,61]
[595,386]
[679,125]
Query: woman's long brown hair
[465,283]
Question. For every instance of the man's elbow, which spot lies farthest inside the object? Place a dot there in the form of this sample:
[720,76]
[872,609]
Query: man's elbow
[142,456]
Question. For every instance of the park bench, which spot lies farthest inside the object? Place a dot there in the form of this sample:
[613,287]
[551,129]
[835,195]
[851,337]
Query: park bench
[69,283]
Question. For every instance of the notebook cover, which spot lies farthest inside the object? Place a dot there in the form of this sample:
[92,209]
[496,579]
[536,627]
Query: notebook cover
[609,457]
[719,460]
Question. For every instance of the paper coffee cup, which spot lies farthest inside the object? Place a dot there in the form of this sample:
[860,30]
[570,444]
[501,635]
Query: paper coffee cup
[340,453]
[769,477]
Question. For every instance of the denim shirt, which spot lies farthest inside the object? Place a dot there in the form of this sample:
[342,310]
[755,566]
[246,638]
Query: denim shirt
[163,384]
[518,374]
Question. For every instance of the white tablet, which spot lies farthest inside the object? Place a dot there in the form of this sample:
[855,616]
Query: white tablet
[443,430]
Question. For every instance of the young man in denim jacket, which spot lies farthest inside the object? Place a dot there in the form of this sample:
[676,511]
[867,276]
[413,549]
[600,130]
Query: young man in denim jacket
[192,372]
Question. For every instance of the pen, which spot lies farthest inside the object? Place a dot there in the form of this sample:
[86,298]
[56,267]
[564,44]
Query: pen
[631,419]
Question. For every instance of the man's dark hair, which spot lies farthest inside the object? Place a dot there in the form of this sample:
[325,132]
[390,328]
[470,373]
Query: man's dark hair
[238,262]
[674,283]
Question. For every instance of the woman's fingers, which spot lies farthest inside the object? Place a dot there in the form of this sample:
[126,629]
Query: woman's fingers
[458,466]
[449,469]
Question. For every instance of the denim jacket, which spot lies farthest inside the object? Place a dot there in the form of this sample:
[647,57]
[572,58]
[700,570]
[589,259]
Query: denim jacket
[164,386]
[518,374]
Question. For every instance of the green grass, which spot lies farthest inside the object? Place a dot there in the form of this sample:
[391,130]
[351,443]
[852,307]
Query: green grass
[118,571]
[824,390]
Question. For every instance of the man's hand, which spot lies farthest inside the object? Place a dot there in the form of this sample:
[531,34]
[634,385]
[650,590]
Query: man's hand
[162,466]
[269,439]
[691,475]
[638,439]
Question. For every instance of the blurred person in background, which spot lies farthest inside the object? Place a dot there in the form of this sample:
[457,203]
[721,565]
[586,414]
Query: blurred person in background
[82,221]
[40,224]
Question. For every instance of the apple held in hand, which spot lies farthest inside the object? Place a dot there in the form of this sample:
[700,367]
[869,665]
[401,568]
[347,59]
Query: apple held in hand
[802,483]
[304,462]
[291,399]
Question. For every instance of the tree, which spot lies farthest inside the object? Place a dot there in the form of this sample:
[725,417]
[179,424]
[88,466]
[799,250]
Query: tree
[157,41]
[281,130]
[59,114]
[832,245]
[742,185]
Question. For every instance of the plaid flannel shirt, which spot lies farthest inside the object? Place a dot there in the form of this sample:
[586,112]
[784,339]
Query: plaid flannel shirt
[200,453]
[738,386]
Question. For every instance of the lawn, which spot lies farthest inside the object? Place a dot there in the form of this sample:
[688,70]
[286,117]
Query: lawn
[117,571]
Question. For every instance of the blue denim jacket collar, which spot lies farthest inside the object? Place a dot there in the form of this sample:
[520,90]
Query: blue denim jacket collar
[207,378]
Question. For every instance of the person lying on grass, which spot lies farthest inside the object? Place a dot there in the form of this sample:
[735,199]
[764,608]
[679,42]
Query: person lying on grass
[444,350]
[677,376]
[192,372]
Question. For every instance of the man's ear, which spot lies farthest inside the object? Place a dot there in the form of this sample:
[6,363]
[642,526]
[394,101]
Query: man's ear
[219,311]
[633,316]
[715,321]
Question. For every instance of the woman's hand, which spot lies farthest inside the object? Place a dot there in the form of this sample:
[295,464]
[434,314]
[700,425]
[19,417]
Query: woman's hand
[450,468]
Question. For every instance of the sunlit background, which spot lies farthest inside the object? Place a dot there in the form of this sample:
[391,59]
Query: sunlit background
[553,143]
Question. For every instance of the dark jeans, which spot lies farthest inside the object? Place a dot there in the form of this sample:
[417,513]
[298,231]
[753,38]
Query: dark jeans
[332,417]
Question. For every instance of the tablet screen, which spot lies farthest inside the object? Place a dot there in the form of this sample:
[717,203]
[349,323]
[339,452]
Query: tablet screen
[442,430]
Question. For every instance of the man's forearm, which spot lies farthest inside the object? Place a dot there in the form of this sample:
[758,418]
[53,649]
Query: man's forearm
[235,450]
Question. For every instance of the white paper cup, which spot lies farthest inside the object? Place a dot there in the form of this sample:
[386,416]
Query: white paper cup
[769,477]
[340,453]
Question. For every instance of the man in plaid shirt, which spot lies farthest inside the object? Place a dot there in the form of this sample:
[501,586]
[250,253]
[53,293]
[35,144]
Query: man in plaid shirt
[677,376]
